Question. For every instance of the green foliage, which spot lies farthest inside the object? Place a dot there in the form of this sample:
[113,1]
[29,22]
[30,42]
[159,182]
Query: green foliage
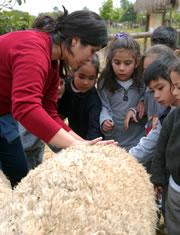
[14,20]
[125,13]
[106,10]
[129,14]
[117,14]
[124,4]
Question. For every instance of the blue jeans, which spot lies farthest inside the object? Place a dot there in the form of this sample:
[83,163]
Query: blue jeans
[13,160]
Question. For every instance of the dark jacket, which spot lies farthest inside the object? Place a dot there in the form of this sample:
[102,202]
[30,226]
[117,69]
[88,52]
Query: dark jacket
[82,111]
[167,155]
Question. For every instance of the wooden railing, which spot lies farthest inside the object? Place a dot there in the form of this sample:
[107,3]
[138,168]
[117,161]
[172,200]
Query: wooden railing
[145,36]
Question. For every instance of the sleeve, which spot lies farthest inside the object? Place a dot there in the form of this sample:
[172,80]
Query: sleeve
[94,113]
[144,150]
[158,168]
[106,112]
[30,69]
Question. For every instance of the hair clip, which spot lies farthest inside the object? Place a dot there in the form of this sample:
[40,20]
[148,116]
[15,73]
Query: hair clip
[121,35]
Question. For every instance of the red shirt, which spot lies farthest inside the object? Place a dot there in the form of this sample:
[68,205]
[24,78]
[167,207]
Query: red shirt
[29,81]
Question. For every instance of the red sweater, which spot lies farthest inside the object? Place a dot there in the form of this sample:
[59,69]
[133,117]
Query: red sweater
[29,82]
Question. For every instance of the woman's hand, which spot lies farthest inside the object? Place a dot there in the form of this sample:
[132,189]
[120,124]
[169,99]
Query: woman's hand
[101,142]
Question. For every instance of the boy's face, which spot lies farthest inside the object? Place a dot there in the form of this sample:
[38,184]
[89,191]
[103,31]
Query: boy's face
[162,92]
[175,79]
[85,77]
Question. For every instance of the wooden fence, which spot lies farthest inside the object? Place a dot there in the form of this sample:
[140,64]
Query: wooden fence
[145,36]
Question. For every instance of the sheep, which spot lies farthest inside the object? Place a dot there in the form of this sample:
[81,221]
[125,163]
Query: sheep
[84,190]
[5,198]
[5,190]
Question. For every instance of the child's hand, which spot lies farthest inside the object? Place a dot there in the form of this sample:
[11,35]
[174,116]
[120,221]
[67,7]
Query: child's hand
[141,109]
[158,191]
[130,115]
[154,120]
[107,125]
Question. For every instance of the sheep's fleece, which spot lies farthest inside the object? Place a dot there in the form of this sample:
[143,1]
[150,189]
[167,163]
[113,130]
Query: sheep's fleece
[83,190]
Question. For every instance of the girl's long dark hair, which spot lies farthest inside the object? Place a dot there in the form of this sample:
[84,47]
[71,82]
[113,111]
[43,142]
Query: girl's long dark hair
[107,78]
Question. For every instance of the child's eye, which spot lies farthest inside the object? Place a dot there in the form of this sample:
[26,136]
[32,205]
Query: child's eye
[116,62]
[92,78]
[128,62]
[81,76]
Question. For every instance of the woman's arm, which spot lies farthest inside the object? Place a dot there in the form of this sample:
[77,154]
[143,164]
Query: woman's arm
[64,139]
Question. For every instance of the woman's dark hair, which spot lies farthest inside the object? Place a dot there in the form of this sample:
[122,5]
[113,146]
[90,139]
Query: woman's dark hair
[88,26]
[107,78]
[84,24]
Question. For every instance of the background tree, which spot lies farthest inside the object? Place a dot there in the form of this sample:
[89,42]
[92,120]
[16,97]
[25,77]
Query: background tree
[124,4]
[14,20]
[117,14]
[129,14]
[106,10]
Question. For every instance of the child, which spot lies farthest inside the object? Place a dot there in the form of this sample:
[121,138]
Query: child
[120,88]
[166,163]
[165,35]
[80,102]
[143,151]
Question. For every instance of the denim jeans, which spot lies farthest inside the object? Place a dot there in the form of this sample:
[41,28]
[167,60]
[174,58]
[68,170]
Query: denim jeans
[13,160]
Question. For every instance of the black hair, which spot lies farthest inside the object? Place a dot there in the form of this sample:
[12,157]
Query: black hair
[164,35]
[88,26]
[155,71]
[94,61]
[159,51]
[175,66]
[107,78]
[42,22]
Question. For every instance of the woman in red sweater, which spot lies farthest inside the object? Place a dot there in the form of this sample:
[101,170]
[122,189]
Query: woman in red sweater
[30,64]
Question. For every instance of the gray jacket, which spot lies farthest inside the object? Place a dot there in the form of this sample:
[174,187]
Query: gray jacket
[114,107]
